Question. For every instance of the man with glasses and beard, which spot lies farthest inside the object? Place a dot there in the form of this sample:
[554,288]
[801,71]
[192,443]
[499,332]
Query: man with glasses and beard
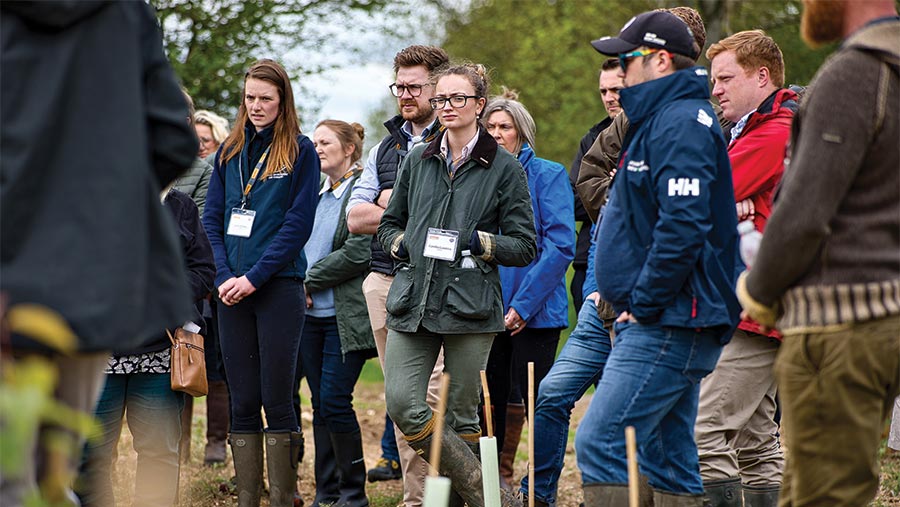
[417,123]
[836,297]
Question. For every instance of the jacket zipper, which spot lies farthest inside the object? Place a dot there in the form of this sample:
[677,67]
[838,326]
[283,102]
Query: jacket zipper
[441,224]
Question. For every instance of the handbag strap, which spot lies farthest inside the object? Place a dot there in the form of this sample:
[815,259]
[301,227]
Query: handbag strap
[171,338]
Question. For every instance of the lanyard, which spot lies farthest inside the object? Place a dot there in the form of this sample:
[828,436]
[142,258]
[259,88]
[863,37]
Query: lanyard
[349,174]
[253,176]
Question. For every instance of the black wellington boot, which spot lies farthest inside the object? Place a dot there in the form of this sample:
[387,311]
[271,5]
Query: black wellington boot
[325,466]
[352,469]
[723,492]
[761,496]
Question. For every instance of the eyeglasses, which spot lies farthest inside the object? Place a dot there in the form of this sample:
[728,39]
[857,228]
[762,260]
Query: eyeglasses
[457,101]
[414,89]
[624,57]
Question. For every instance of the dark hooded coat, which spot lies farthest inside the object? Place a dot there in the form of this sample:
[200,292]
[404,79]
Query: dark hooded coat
[94,124]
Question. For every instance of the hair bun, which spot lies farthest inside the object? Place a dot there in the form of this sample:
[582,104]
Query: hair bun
[508,94]
[360,130]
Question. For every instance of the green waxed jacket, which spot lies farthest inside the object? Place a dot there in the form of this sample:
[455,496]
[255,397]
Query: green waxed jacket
[343,270]
[488,193]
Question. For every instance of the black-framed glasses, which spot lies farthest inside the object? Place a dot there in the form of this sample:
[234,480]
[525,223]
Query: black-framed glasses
[397,90]
[624,57]
[456,101]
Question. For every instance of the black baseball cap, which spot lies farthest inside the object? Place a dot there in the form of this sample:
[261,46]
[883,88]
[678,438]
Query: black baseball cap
[654,29]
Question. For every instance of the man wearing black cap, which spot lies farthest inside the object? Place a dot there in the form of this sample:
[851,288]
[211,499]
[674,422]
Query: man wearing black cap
[668,269]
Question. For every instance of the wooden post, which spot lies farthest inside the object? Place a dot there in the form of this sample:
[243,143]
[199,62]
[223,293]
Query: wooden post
[530,434]
[437,488]
[435,457]
[631,451]
[487,404]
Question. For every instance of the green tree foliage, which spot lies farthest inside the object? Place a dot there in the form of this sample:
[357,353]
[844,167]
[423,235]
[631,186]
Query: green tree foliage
[210,43]
[541,48]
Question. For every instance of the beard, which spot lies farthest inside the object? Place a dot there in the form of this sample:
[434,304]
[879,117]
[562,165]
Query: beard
[822,21]
[419,115]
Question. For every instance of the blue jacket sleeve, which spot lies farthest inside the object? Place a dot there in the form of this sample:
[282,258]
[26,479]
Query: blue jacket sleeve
[683,165]
[298,221]
[214,221]
[555,216]
[590,278]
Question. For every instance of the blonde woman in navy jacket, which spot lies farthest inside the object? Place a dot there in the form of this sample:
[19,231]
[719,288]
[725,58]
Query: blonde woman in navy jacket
[259,214]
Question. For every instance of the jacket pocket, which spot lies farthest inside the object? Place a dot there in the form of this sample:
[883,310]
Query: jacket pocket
[400,295]
[469,294]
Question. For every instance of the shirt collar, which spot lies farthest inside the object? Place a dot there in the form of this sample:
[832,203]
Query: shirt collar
[339,191]
[463,157]
[739,126]
[407,130]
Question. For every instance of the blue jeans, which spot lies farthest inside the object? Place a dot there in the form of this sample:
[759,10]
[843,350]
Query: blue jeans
[330,374]
[652,382]
[578,367]
[260,339]
[154,418]
[389,441]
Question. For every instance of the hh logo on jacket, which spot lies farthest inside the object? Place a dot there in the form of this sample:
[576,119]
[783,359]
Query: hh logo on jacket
[684,187]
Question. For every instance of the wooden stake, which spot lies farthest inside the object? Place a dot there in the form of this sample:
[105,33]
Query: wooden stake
[487,404]
[631,451]
[530,434]
[439,425]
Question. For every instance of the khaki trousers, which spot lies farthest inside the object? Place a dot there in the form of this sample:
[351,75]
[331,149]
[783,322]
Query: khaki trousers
[836,388]
[736,432]
[375,288]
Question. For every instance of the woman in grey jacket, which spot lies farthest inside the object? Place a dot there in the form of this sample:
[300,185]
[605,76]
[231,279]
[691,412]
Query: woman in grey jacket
[450,202]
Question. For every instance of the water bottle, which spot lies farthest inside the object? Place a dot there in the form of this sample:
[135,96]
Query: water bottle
[750,239]
[467,261]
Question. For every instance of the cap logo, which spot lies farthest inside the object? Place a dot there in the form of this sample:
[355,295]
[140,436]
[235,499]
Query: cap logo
[630,21]
[652,38]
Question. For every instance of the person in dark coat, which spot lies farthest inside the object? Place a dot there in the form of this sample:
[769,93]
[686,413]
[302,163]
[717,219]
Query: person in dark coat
[138,382]
[85,153]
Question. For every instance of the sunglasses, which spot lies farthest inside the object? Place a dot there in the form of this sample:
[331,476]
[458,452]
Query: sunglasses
[624,57]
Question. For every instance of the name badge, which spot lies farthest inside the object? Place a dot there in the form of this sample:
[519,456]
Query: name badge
[441,244]
[241,223]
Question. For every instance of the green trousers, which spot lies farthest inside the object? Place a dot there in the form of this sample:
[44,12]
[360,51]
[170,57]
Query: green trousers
[408,361]
[837,389]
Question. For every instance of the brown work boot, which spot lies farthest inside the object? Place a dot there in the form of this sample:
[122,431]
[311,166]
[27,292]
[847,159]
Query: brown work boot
[515,419]
[217,414]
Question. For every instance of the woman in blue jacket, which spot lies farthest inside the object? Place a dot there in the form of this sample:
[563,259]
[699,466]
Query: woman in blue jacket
[260,208]
[534,296]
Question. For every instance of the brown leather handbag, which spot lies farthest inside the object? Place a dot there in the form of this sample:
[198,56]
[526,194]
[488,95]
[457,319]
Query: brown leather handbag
[188,366]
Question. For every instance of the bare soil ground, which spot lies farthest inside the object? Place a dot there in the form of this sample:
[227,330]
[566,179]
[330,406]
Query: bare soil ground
[210,486]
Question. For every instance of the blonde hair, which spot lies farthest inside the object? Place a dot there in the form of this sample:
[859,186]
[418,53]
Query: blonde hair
[348,134]
[217,124]
[753,49]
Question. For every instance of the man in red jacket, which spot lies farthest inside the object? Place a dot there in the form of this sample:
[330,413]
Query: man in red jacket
[735,431]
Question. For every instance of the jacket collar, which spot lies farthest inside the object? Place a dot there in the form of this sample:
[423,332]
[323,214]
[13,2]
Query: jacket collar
[780,98]
[644,100]
[525,154]
[395,127]
[264,136]
[484,152]
[880,36]
[781,103]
